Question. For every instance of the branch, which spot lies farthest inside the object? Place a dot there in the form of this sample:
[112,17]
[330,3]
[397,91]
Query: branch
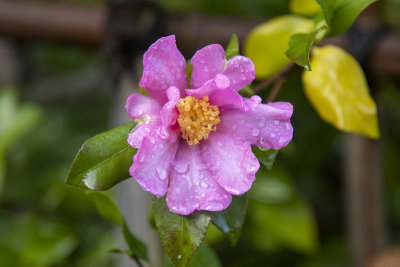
[275,90]
[275,78]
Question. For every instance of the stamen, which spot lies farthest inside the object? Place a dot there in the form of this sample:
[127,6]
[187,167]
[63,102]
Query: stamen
[197,118]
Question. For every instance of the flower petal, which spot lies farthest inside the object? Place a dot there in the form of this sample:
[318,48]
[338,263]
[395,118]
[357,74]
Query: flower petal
[169,113]
[151,164]
[207,63]
[234,168]
[240,71]
[192,186]
[138,105]
[219,82]
[164,66]
[268,125]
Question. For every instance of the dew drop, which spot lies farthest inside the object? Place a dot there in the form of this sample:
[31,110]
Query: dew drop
[155,47]
[276,122]
[147,130]
[179,257]
[273,135]
[262,122]
[203,195]
[204,185]
[233,127]
[220,143]
[255,132]
[181,168]
[205,69]
[162,174]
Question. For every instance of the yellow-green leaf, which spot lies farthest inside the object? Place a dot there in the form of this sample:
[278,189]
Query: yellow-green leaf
[337,89]
[267,43]
[304,7]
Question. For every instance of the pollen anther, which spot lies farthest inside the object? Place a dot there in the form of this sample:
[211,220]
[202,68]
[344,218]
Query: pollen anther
[197,118]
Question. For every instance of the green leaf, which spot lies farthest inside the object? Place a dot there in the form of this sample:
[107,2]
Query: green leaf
[137,248]
[230,220]
[103,160]
[265,157]
[233,47]
[181,235]
[106,207]
[337,89]
[267,43]
[340,14]
[304,7]
[299,48]
[205,256]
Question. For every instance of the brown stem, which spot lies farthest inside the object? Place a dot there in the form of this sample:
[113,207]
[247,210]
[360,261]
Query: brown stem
[275,90]
[137,262]
[274,78]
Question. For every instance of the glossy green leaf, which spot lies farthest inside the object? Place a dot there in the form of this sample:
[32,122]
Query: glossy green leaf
[106,207]
[137,248]
[230,220]
[267,43]
[181,235]
[103,160]
[204,256]
[265,157]
[233,47]
[304,7]
[299,48]
[339,92]
[340,14]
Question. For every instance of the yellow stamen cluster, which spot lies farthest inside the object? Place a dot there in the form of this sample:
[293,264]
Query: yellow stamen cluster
[197,118]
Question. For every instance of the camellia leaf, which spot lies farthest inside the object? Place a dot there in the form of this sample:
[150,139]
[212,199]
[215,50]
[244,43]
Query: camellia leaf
[340,14]
[181,235]
[304,7]
[108,209]
[299,48]
[230,220]
[267,43]
[233,47]
[265,157]
[103,160]
[137,248]
[338,91]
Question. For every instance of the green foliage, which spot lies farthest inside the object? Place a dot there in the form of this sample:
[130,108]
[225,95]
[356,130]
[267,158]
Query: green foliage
[181,235]
[230,221]
[103,160]
[107,208]
[233,47]
[204,256]
[267,43]
[299,48]
[281,217]
[340,14]
[265,157]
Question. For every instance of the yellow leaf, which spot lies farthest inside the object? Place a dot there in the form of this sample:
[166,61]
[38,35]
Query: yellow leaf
[304,7]
[337,89]
[267,43]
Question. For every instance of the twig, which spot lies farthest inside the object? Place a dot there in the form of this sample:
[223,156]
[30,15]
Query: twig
[137,261]
[275,90]
[274,78]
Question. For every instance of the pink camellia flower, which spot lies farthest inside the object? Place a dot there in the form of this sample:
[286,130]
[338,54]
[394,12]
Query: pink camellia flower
[195,144]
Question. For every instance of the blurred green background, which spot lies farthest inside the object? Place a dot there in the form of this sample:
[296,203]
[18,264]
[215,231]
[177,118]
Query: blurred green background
[63,94]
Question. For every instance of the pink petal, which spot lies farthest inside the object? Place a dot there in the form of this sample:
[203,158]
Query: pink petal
[240,71]
[207,63]
[192,186]
[169,113]
[151,164]
[226,99]
[138,105]
[219,82]
[268,125]
[232,162]
[164,66]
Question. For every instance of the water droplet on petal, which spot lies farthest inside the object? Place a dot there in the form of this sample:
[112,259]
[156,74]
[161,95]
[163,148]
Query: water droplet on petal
[205,69]
[233,127]
[204,185]
[203,194]
[273,135]
[162,174]
[147,129]
[276,122]
[262,122]
[255,132]
[181,168]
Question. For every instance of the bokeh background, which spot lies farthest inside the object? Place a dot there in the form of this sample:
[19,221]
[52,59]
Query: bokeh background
[66,66]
